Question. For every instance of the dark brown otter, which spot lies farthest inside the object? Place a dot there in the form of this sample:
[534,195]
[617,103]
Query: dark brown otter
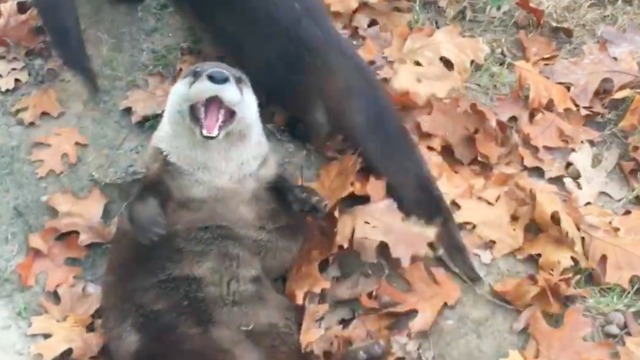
[225,224]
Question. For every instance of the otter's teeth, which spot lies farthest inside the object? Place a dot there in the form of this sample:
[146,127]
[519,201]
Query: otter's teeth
[221,115]
[201,108]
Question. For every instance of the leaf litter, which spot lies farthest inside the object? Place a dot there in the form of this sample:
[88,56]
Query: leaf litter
[374,255]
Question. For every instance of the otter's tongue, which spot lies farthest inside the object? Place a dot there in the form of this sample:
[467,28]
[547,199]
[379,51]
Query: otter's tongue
[214,114]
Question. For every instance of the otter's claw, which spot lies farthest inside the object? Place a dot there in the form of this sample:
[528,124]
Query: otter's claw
[147,219]
[304,199]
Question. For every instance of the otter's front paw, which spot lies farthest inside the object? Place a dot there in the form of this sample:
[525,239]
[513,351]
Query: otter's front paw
[304,199]
[147,219]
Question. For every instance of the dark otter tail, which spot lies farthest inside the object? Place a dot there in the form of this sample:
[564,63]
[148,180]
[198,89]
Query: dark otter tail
[60,18]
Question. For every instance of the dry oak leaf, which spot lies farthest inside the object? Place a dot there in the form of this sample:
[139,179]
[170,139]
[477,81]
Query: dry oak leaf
[632,349]
[8,82]
[426,296]
[554,130]
[422,72]
[148,102]
[514,355]
[595,180]
[335,179]
[81,299]
[70,334]
[46,254]
[541,89]
[304,274]
[546,291]
[17,25]
[342,6]
[10,64]
[552,161]
[452,184]
[555,253]
[42,101]
[62,142]
[384,13]
[620,255]
[82,215]
[567,342]
[537,13]
[538,50]
[587,72]
[456,126]
[493,223]
[631,120]
[621,44]
[364,227]
[554,212]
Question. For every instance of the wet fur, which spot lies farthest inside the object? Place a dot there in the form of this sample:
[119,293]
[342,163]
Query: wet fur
[296,58]
[203,288]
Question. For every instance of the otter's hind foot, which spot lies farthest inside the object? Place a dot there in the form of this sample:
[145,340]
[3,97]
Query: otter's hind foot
[304,199]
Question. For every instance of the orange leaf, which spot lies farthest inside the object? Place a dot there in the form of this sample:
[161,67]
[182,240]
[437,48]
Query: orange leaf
[9,81]
[83,215]
[70,334]
[632,349]
[17,25]
[553,130]
[631,120]
[546,291]
[42,101]
[82,299]
[367,225]
[425,296]
[567,341]
[150,101]
[49,256]
[537,13]
[335,179]
[62,142]
[538,50]
[541,89]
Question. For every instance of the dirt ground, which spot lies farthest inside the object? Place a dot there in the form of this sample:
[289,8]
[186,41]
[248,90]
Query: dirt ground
[125,43]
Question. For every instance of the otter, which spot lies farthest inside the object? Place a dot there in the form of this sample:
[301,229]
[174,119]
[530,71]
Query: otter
[225,223]
[297,60]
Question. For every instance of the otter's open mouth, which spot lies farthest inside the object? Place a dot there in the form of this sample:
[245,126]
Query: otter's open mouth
[212,115]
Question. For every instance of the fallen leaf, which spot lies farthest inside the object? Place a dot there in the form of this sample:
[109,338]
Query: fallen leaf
[632,349]
[631,120]
[425,296]
[17,28]
[10,64]
[335,179]
[70,334]
[342,6]
[546,291]
[434,64]
[62,142]
[567,341]
[541,89]
[537,13]
[513,355]
[83,215]
[456,126]
[81,299]
[9,81]
[538,50]
[587,72]
[493,223]
[595,180]
[150,101]
[620,254]
[367,225]
[41,101]
[548,129]
[46,254]
[622,44]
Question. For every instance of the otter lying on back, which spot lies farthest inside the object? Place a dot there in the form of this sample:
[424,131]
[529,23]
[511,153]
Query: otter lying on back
[190,270]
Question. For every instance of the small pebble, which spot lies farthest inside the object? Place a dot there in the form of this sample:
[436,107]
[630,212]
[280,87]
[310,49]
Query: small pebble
[615,318]
[611,330]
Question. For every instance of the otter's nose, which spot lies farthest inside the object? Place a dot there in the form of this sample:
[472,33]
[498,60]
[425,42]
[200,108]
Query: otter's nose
[218,77]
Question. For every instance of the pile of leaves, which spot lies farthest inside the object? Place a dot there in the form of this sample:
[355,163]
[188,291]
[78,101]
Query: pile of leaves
[362,275]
